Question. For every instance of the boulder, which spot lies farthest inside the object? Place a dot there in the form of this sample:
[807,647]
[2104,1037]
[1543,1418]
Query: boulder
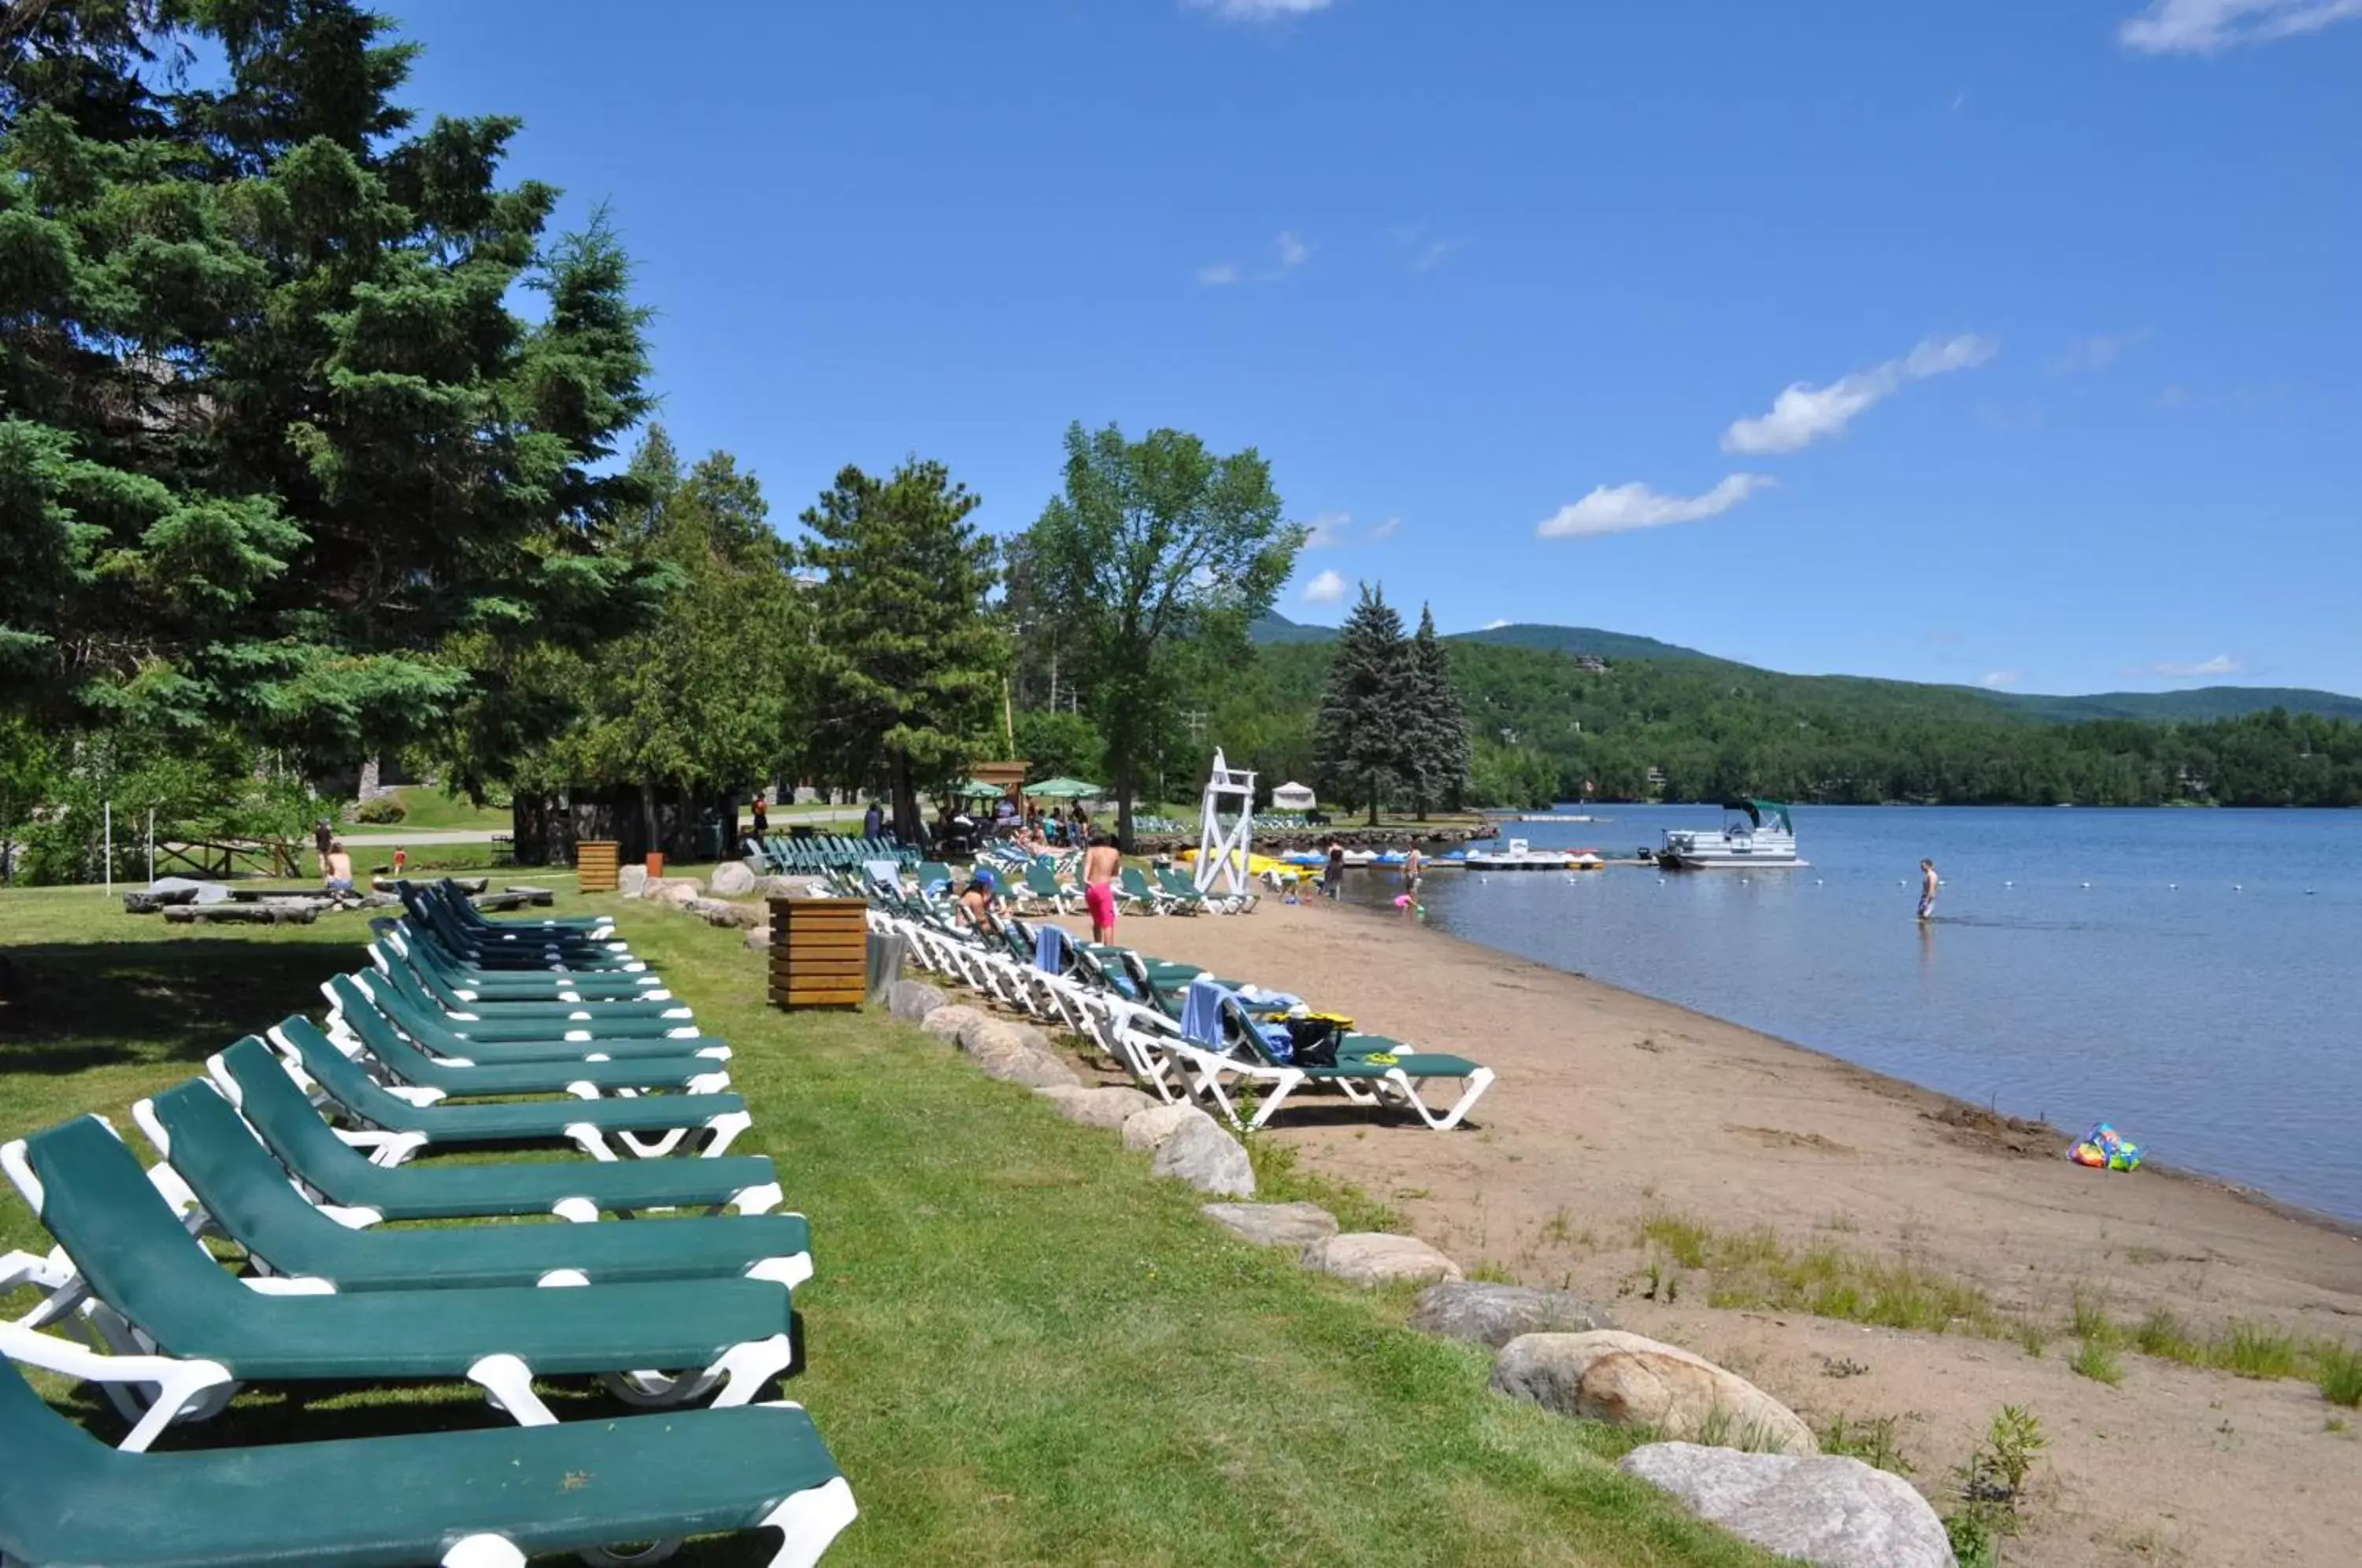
[1625,1380]
[679,892]
[1378,1257]
[783,887]
[1296,1225]
[946,1023]
[1108,1108]
[1495,1314]
[1145,1131]
[759,937]
[721,911]
[911,1000]
[1201,1153]
[989,1033]
[733,877]
[1035,1070]
[631,880]
[1825,1508]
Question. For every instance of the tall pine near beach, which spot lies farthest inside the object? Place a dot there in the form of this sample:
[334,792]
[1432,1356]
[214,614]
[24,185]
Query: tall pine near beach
[277,460]
[1438,725]
[1363,745]
[907,658]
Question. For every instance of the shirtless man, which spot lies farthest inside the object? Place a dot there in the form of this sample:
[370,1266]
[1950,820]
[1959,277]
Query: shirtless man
[337,868]
[1102,863]
[1929,883]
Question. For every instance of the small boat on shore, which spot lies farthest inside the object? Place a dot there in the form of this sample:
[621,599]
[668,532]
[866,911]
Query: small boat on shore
[1754,833]
[1520,857]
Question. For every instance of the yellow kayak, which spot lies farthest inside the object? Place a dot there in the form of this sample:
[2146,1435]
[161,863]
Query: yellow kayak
[1258,867]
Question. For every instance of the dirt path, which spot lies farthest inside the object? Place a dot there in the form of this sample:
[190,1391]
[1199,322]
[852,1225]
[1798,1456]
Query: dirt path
[1613,1110]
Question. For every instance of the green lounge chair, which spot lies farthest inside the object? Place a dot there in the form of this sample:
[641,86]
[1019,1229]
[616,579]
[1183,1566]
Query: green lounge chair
[338,1174]
[348,993]
[468,1499]
[144,1285]
[388,955]
[458,996]
[545,983]
[216,1166]
[367,1031]
[1370,1070]
[1135,887]
[444,903]
[646,1125]
[1043,887]
[465,910]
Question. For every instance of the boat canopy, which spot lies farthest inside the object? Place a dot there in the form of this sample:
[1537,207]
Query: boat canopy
[1757,811]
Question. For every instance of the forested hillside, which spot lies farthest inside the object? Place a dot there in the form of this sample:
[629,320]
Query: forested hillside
[1696,729]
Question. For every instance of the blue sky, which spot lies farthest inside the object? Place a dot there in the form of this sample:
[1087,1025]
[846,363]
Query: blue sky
[2013,342]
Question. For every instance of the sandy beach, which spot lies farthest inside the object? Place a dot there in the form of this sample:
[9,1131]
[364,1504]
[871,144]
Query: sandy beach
[1614,1111]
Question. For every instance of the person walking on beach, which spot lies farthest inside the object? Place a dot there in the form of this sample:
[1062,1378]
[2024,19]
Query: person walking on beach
[1413,864]
[1929,883]
[1332,880]
[1102,863]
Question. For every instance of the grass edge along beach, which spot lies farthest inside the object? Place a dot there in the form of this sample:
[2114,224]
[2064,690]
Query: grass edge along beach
[1023,1348]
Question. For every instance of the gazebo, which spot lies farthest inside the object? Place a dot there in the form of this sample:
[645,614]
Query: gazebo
[1293,797]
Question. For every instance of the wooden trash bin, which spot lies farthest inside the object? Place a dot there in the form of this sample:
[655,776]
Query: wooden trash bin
[819,952]
[594,865]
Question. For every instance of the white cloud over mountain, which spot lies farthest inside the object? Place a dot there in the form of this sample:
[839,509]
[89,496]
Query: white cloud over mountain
[1616,508]
[1802,415]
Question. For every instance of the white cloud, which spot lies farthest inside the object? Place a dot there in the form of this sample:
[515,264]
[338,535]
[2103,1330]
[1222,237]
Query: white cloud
[1327,531]
[1329,588]
[1258,10]
[2098,352]
[2209,26]
[1802,415]
[1387,529]
[1494,625]
[1218,275]
[2220,664]
[1998,679]
[1614,509]
[1292,251]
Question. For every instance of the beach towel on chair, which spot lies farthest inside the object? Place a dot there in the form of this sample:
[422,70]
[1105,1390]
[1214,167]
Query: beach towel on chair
[1201,1014]
[1050,945]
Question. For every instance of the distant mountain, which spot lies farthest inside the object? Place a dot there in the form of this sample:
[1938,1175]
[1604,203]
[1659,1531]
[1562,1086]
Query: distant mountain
[2196,705]
[1275,627]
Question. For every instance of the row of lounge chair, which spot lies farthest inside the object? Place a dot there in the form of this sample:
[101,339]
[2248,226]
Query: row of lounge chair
[787,855]
[1039,883]
[1184,1034]
[294,1157]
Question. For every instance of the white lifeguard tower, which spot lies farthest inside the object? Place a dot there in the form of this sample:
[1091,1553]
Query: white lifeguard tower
[1222,852]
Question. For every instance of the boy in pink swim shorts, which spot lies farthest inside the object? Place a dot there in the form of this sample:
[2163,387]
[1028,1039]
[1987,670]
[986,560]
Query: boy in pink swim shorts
[1101,865]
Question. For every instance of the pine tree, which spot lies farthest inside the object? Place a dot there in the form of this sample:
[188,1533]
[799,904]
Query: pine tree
[907,658]
[1439,726]
[276,460]
[1362,743]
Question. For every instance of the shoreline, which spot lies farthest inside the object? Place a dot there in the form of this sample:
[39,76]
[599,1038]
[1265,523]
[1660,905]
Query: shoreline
[1630,1142]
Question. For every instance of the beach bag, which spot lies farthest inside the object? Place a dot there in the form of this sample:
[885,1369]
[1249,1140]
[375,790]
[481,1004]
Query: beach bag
[1313,1039]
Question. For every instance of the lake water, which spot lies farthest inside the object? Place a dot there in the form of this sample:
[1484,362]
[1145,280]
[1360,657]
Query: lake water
[2190,976]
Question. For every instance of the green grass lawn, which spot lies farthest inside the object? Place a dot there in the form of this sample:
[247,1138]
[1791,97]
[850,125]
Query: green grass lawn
[1023,1348]
[424,806]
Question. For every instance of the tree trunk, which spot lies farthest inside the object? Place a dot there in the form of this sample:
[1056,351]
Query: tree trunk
[649,839]
[905,801]
[1373,799]
[1123,780]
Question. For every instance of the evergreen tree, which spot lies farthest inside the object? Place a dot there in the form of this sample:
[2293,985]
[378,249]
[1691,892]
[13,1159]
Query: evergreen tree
[276,460]
[1157,545]
[907,658]
[1364,739]
[1439,726]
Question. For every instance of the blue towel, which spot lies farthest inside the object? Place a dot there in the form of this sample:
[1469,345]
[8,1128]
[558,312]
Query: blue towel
[1049,944]
[1201,1014]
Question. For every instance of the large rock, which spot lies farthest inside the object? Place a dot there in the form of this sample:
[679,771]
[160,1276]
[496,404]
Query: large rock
[783,887]
[1019,1064]
[1145,1132]
[733,878]
[946,1023]
[1495,1314]
[1377,1257]
[1296,1225]
[1201,1153]
[760,938]
[911,1000]
[679,892]
[1109,1107]
[990,1034]
[1825,1510]
[721,911]
[1627,1380]
[631,880]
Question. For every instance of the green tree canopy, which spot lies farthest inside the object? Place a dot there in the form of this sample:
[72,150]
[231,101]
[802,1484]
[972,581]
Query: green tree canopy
[907,658]
[277,459]
[1364,744]
[1154,545]
[1437,737]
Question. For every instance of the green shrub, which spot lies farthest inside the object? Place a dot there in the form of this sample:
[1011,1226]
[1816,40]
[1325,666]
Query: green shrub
[2340,1375]
[384,808]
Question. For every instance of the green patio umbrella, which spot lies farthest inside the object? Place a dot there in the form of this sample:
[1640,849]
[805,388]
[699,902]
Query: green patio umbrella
[1063,790]
[977,789]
